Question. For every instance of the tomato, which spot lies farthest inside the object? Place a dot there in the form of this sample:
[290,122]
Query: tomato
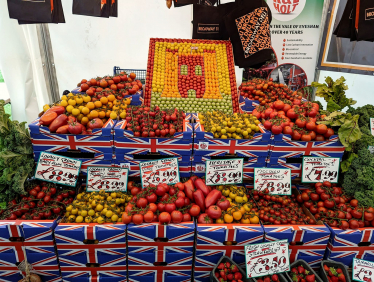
[279,105]
[267,124]
[40,195]
[33,192]
[353,203]
[291,114]
[321,129]
[176,217]
[344,225]
[214,212]
[353,224]
[186,217]
[179,202]
[310,125]
[286,108]
[329,133]
[126,218]
[148,217]
[170,207]
[95,123]
[164,218]
[276,129]
[37,188]
[194,210]
[47,214]
[141,203]
[296,135]
[180,186]
[135,190]
[319,138]
[356,214]
[300,123]
[268,111]
[326,184]
[161,207]
[152,198]
[312,113]
[47,199]
[204,219]
[160,190]
[75,128]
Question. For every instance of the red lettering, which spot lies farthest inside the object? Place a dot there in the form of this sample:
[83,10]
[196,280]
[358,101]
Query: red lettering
[276,6]
[286,1]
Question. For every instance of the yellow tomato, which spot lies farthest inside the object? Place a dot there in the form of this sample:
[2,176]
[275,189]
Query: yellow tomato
[79,219]
[233,195]
[88,219]
[99,208]
[74,211]
[247,207]
[69,208]
[64,97]
[114,218]
[71,218]
[113,115]
[85,111]
[245,199]
[100,220]
[220,220]
[228,218]
[84,120]
[98,104]
[75,112]
[84,213]
[72,102]
[90,105]
[242,210]
[91,212]
[86,99]
[239,199]
[111,97]
[109,214]
[245,221]
[225,192]
[104,100]
[255,219]
[237,215]
[64,103]
[45,107]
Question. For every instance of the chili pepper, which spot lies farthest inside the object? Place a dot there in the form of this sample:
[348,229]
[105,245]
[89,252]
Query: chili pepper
[199,184]
[189,188]
[199,199]
[212,198]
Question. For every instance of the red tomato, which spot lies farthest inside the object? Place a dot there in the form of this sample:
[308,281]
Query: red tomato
[287,130]
[170,207]
[137,219]
[306,137]
[95,123]
[279,105]
[300,123]
[320,138]
[353,224]
[75,128]
[312,134]
[276,129]
[296,135]
[310,125]
[164,218]
[329,133]
[141,203]
[321,129]
[40,195]
[152,207]
[214,212]
[194,210]
[152,198]
[176,217]
[186,217]
[148,217]
[205,219]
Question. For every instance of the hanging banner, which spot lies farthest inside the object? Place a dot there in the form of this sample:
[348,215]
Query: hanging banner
[106,178]
[318,169]
[159,171]
[295,31]
[276,180]
[362,270]
[266,258]
[58,169]
[221,172]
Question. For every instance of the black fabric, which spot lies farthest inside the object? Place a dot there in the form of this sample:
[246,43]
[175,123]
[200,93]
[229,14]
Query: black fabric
[248,26]
[33,11]
[343,29]
[208,21]
[57,15]
[366,21]
[181,3]
[353,28]
[91,8]
[114,9]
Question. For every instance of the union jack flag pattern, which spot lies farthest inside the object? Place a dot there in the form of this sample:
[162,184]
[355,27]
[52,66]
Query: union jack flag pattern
[210,245]
[282,163]
[97,279]
[306,242]
[344,245]
[91,250]
[100,142]
[284,147]
[94,162]
[181,145]
[128,161]
[10,251]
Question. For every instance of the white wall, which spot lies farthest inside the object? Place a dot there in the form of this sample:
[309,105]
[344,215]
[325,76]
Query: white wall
[360,87]
[87,46]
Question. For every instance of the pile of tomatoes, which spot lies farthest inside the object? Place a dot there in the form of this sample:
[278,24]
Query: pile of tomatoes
[328,203]
[43,201]
[279,210]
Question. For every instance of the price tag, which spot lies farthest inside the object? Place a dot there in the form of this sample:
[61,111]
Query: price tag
[200,167]
[277,180]
[371,149]
[106,178]
[159,171]
[318,169]
[362,270]
[220,172]
[372,126]
[266,258]
[58,169]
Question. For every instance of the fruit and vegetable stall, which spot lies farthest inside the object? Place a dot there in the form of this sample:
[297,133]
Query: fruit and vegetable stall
[189,178]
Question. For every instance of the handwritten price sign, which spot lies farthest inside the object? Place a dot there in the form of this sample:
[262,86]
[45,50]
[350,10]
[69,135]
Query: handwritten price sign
[363,270]
[277,180]
[267,258]
[220,172]
[58,169]
[159,171]
[106,178]
[372,126]
[317,169]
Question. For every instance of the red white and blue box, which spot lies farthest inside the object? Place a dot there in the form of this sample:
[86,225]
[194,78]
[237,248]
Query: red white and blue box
[306,242]
[100,142]
[180,145]
[198,167]
[129,161]
[216,240]
[344,245]
[286,163]
[115,278]
[136,99]
[91,249]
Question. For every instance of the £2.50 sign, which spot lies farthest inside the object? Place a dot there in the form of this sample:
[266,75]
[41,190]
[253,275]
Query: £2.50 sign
[159,171]
[266,258]
[276,180]
[220,172]
[362,270]
[318,169]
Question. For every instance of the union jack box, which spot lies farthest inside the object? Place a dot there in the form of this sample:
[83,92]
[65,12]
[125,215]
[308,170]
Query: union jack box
[208,146]
[198,167]
[306,242]
[99,143]
[344,245]
[91,249]
[286,163]
[180,146]
[100,278]
[136,99]
[97,161]
[216,240]
[128,161]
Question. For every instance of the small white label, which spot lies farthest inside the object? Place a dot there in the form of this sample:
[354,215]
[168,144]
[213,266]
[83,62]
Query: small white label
[266,258]
[318,169]
[200,167]
[203,146]
[277,180]
[106,178]
[362,270]
[372,126]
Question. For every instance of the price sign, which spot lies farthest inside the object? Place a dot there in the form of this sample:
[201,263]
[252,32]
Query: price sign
[372,126]
[266,258]
[220,172]
[277,180]
[58,169]
[371,149]
[159,171]
[362,270]
[317,169]
[106,178]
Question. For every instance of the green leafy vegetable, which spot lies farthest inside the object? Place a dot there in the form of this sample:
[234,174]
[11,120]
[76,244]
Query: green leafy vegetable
[334,93]
[16,156]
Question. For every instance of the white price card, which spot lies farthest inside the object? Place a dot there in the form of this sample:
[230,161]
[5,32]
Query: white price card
[159,171]
[277,180]
[362,270]
[227,171]
[58,169]
[372,126]
[106,178]
[318,169]
[267,258]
